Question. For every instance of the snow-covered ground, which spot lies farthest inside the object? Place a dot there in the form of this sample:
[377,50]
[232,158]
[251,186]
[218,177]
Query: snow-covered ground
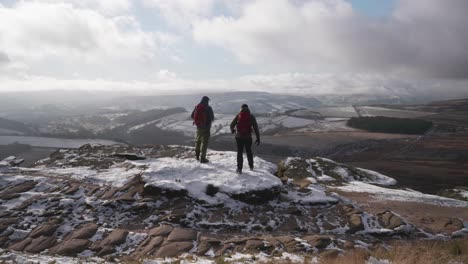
[326,125]
[237,258]
[187,174]
[463,193]
[401,195]
[182,123]
[380,111]
[343,111]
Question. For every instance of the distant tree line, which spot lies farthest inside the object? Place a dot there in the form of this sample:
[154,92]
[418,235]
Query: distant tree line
[390,125]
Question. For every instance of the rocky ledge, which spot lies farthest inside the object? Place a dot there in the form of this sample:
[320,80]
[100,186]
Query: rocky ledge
[134,203]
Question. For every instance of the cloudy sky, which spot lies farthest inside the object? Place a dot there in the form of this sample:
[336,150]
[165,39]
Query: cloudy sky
[179,46]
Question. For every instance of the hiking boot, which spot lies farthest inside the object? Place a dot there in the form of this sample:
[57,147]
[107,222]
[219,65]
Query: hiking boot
[204,160]
[239,171]
[197,156]
[251,167]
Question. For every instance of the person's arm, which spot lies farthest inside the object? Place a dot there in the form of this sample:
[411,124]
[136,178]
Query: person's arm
[193,113]
[255,127]
[210,114]
[233,124]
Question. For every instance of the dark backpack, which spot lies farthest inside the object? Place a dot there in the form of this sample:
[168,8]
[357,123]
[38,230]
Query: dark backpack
[244,124]
[200,116]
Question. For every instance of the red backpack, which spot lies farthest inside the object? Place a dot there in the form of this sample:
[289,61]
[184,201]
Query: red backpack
[199,117]
[244,124]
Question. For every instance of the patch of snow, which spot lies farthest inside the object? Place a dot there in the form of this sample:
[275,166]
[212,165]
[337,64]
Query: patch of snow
[133,239]
[19,234]
[189,175]
[372,225]
[401,195]
[343,173]
[387,112]
[378,178]
[210,253]
[325,178]
[462,193]
[18,257]
[313,197]
[117,175]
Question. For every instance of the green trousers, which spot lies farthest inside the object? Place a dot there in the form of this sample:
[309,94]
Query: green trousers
[201,142]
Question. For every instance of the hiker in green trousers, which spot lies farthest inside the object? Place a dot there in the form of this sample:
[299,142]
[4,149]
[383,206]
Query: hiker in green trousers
[202,117]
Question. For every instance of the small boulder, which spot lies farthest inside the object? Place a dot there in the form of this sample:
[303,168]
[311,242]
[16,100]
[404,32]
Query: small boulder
[174,249]
[318,241]
[20,246]
[151,246]
[116,237]
[43,230]
[255,245]
[296,169]
[40,244]
[349,210]
[71,247]
[355,223]
[206,244]
[162,230]
[6,222]
[182,234]
[85,231]
[22,187]
[389,220]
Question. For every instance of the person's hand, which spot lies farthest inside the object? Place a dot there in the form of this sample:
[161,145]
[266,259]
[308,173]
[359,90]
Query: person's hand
[257,142]
[233,131]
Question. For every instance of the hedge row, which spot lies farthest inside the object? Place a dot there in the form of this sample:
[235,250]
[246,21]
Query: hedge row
[390,124]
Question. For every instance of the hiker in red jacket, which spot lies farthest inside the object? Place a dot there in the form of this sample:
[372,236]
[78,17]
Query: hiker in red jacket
[202,117]
[242,126]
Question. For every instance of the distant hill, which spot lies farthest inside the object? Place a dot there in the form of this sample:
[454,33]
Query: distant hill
[140,117]
[225,103]
[12,126]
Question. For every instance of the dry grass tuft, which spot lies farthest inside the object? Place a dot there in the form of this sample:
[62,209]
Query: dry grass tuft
[413,252]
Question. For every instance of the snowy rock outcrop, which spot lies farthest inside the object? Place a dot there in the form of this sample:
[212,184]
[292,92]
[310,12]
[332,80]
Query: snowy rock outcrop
[307,171]
[155,202]
[11,161]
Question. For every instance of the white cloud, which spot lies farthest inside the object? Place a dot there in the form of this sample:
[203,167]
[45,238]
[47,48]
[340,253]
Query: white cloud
[107,7]
[424,37]
[301,47]
[61,40]
[182,13]
[166,82]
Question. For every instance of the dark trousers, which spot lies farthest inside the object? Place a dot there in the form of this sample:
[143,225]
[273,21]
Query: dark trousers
[244,142]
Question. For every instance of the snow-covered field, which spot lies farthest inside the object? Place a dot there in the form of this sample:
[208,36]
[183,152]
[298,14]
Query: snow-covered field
[327,125]
[401,195]
[182,123]
[344,111]
[380,111]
